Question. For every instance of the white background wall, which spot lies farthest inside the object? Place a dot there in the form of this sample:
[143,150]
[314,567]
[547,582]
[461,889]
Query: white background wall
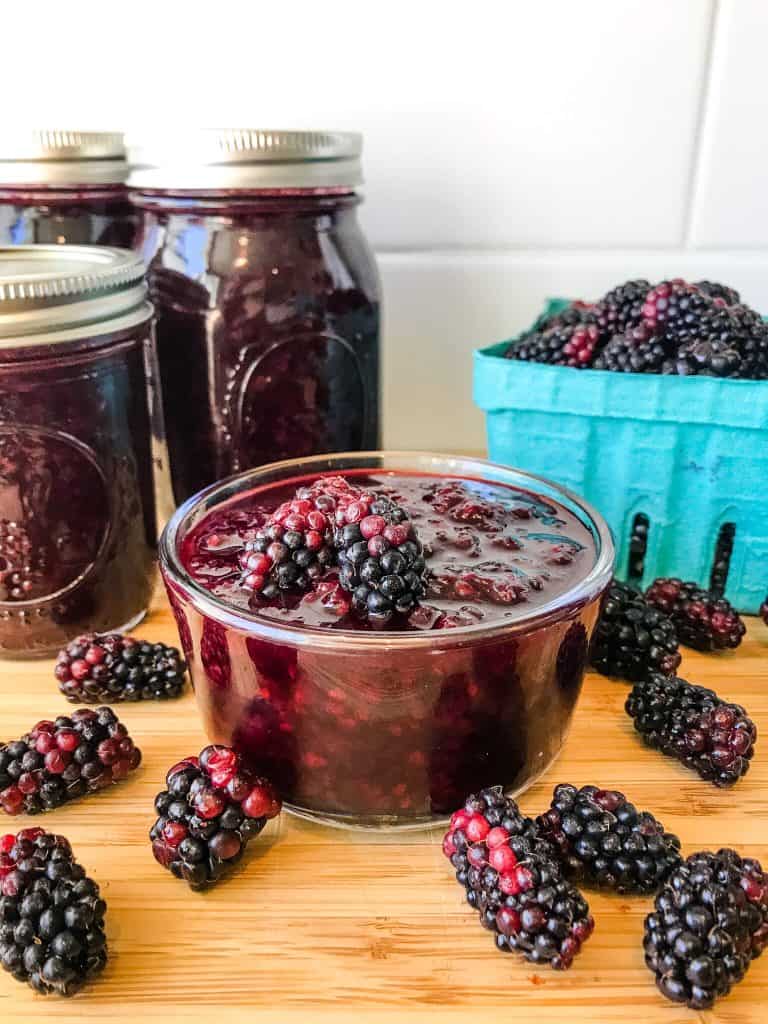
[514,150]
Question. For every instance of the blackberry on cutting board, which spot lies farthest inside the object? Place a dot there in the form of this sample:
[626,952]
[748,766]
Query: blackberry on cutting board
[764,611]
[51,914]
[633,638]
[65,759]
[602,839]
[381,561]
[692,724]
[212,808]
[708,924]
[514,881]
[703,620]
[111,667]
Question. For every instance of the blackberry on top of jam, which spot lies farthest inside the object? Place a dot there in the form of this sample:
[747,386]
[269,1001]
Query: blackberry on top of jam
[488,549]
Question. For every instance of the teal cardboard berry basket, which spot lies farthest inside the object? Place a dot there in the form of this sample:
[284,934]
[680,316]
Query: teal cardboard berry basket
[679,461]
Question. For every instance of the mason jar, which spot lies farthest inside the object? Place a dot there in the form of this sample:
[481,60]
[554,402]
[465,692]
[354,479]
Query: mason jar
[266,295]
[77,515]
[59,187]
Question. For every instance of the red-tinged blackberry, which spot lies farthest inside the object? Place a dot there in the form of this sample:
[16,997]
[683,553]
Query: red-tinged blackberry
[565,345]
[692,724]
[674,309]
[65,759]
[291,550]
[715,290]
[212,807]
[603,840]
[97,667]
[621,307]
[638,350]
[703,620]
[708,924]
[51,914]
[381,560]
[514,881]
[633,638]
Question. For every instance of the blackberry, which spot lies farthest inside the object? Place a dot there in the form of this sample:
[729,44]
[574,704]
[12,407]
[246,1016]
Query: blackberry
[604,840]
[633,638]
[638,350]
[711,346]
[708,735]
[621,307]
[703,620]
[674,309]
[291,550]
[381,560]
[51,914]
[96,667]
[753,342]
[564,345]
[764,611]
[718,291]
[65,759]
[709,923]
[514,881]
[212,808]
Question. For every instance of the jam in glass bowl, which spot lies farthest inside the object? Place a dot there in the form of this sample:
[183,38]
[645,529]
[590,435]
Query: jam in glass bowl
[392,727]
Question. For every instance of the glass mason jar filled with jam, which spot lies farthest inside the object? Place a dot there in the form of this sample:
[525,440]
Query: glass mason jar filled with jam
[77,510]
[60,187]
[266,295]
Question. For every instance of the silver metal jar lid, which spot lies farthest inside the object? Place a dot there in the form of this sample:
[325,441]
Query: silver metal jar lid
[61,158]
[58,293]
[246,159]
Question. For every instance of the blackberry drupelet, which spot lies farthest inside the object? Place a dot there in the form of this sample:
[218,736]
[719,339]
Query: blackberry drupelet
[715,290]
[65,759]
[51,914]
[709,923]
[633,638]
[513,879]
[97,667]
[381,560]
[564,345]
[638,350]
[621,307]
[703,620]
[604,840]
[692,724]
[212,808]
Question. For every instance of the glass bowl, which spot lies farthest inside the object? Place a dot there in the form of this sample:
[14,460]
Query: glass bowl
[386,728]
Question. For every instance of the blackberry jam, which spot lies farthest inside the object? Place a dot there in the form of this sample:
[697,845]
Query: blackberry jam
[77,517]
[65,188]
[371,727]
[266,295]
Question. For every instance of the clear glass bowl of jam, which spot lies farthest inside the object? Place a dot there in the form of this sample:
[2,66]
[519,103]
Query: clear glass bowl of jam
[266,295]
[393,727]
[77,510]
[65,187]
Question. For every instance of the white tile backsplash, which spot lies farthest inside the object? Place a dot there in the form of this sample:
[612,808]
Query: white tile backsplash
[730,203]
[439,307]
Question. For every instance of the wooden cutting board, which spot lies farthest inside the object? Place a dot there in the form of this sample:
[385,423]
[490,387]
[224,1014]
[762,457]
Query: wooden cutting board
[320,925]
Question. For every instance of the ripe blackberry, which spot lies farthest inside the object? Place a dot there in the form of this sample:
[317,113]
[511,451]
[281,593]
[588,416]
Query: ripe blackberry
[708,925]
[62,760]
[621,307]
[703,620]
[710,347]
[673,310]
[633,638]
[719,291]
[514,880]
[708,735]
[97,667]
[212,808]
[51,914]
[563,345]
[753,342]
[291,549]
[604,840]
[381,559]
[638,350]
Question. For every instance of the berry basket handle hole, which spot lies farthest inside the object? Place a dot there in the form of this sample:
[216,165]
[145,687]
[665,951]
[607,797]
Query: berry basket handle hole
[638,545]
[721,560]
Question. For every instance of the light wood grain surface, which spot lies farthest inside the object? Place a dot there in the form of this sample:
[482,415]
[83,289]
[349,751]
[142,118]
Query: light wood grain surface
[320,925]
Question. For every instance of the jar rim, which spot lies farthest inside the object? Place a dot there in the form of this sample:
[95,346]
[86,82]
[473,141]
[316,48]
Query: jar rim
[522,620]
